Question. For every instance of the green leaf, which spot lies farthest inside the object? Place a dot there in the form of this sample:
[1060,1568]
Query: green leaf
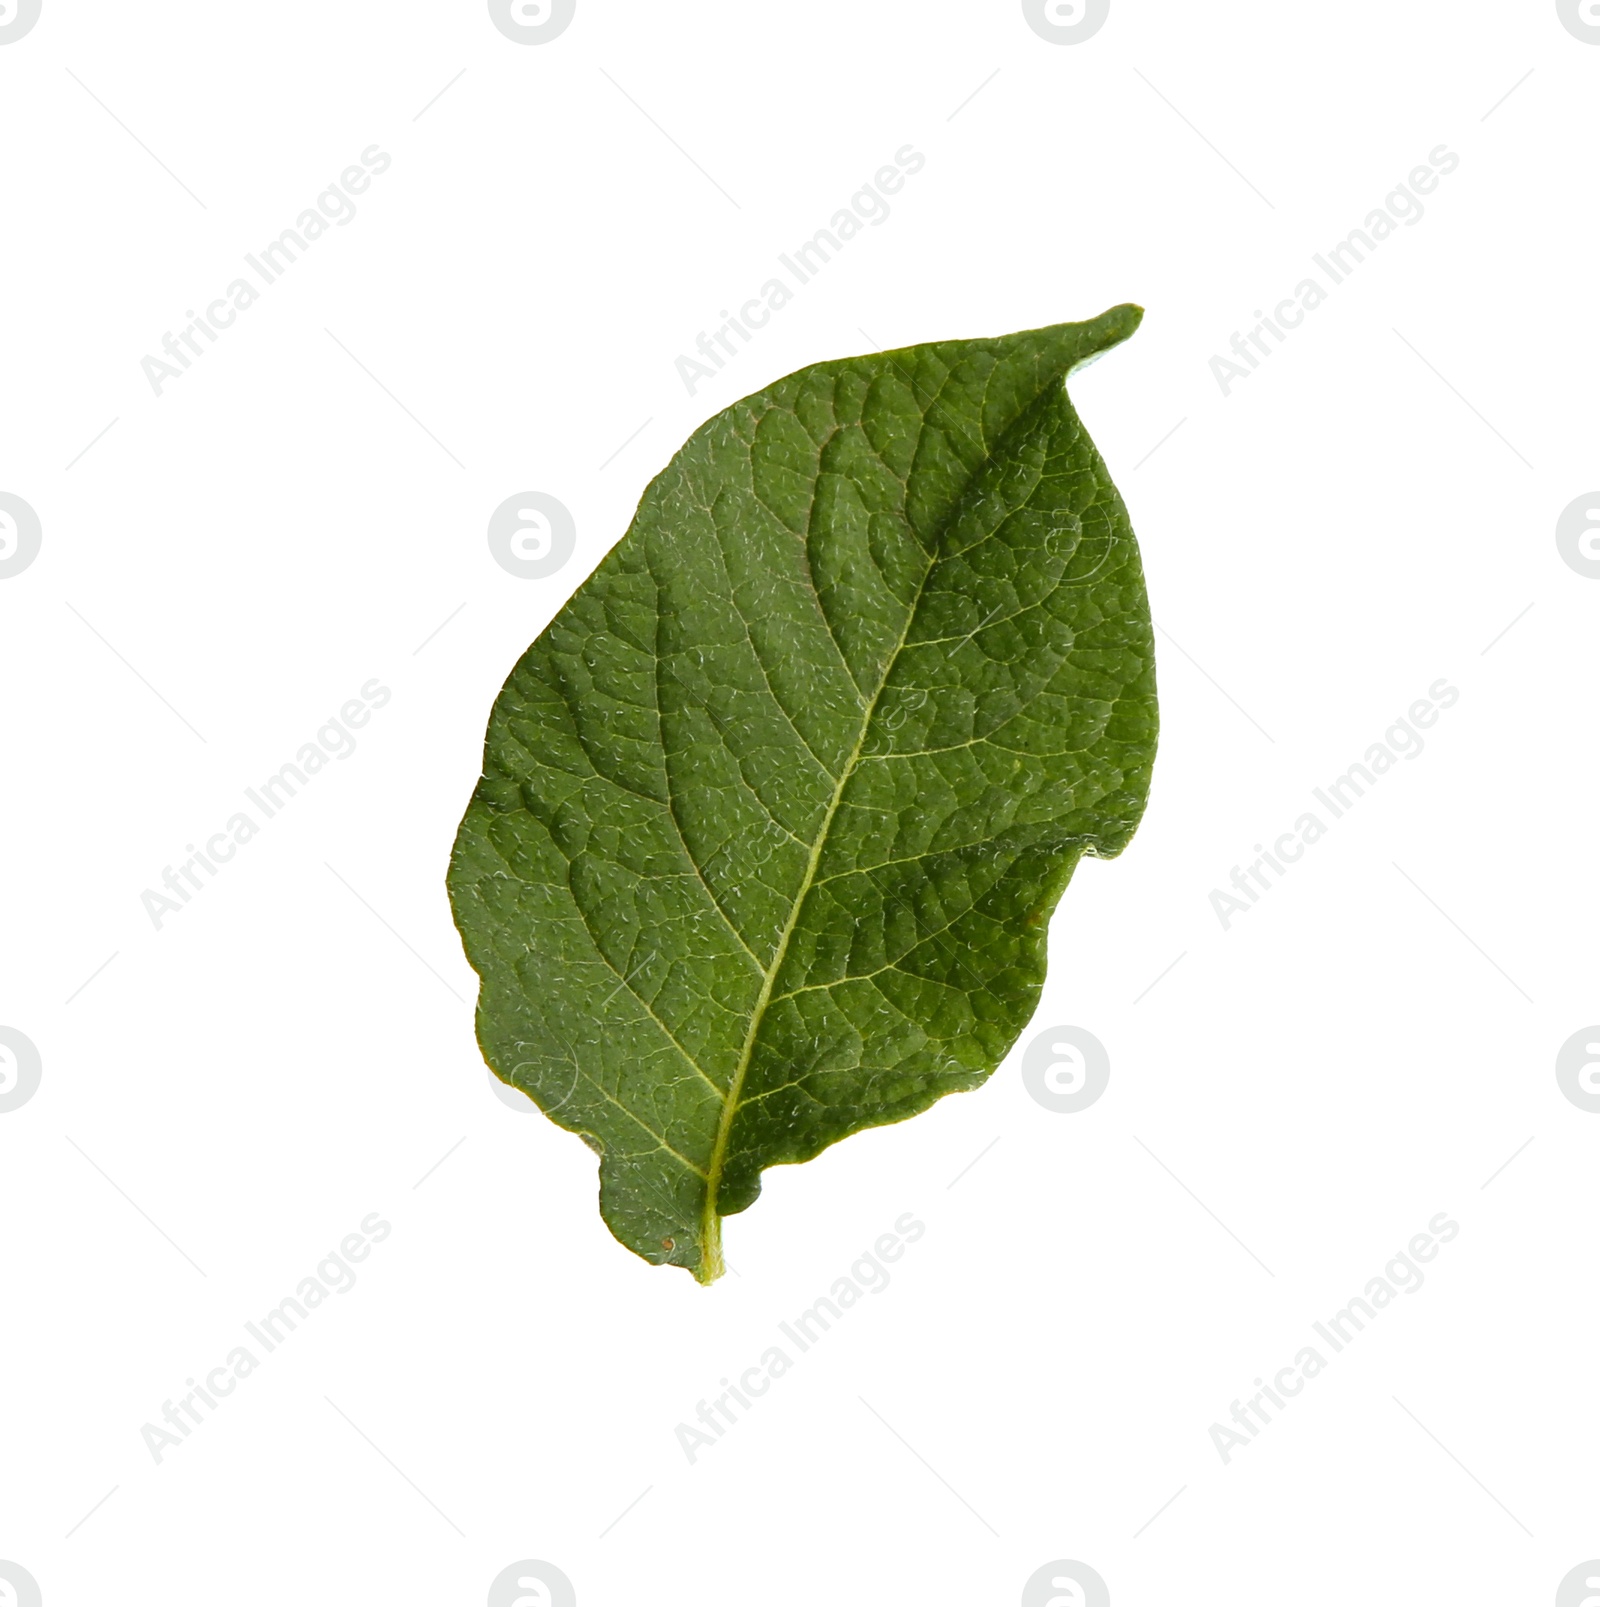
[775,812]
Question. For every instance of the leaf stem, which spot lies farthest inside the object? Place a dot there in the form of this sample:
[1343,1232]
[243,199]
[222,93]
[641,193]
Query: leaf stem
[712,1266]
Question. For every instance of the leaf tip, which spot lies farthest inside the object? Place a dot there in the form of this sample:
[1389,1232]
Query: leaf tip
[1099,335]
[1116,324]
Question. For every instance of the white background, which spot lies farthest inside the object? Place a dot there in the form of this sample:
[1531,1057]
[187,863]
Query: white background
[1367,1047]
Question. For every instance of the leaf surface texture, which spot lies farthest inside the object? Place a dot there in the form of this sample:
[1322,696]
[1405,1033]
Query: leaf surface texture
[776,810]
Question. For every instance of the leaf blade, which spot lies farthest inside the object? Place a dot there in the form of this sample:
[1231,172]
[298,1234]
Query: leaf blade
[704,784]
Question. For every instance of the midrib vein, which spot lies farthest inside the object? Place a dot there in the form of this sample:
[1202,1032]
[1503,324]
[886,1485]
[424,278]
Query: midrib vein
[710,1230]
[730,1107]
[709,1218]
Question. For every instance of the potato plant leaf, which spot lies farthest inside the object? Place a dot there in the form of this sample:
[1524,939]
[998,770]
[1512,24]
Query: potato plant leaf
[775,812]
